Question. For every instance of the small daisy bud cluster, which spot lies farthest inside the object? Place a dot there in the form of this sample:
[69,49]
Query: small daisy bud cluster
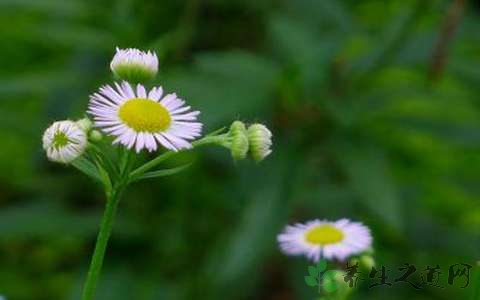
[137,117]
[87,125]
[256,140]
[134,66]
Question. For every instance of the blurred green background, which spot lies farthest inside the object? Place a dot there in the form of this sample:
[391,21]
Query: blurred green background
[375,110]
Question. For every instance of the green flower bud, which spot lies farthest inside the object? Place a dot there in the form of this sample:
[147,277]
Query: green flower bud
[239,140]
[260,141]
[85,124]
[367,262]
[96,136]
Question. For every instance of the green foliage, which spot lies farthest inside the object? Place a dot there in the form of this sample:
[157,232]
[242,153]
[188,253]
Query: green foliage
[362,130]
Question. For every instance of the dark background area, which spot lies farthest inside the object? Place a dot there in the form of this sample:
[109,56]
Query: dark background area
[375,111]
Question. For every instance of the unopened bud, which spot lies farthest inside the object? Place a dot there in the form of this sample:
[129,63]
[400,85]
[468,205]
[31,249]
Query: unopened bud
[96,136]
[85,124]
[134,65]
[260,141]
[239,145]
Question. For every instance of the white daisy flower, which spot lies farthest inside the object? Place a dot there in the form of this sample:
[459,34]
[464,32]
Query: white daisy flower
[323,239]
[144,120]
[64,141]
[260,140]
[134,65]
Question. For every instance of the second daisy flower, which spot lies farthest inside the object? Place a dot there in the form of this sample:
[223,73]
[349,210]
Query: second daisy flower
[144,120]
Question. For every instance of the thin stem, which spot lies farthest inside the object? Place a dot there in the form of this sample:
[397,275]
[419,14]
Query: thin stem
[216,139]
[101,244]
[149,165]
[113,197]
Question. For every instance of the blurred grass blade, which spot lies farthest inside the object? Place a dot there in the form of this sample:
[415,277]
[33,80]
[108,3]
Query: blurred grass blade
[370,179]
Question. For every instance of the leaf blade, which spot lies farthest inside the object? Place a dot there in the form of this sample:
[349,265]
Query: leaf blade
[87,167]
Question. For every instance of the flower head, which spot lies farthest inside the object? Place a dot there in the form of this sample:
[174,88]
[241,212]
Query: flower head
[239,144]
[323,239]
[260,140]
[144,120]
[134,65]
[64,141]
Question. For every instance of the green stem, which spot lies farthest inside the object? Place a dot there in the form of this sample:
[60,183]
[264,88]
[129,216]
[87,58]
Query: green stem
[101,244]
[149,165]
[215,139]
[113,197]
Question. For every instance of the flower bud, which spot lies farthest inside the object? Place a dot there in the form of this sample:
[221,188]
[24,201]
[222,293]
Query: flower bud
[95,136]
[367,262]
[85,124]
[260,141]
[64,141]
[134,65]
[239,144]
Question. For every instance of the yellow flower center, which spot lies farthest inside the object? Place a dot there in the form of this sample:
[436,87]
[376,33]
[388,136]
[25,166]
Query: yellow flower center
[144,115]
[324,235]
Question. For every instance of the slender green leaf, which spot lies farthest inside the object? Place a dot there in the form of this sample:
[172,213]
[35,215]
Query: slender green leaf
[87,167]
[104,177]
